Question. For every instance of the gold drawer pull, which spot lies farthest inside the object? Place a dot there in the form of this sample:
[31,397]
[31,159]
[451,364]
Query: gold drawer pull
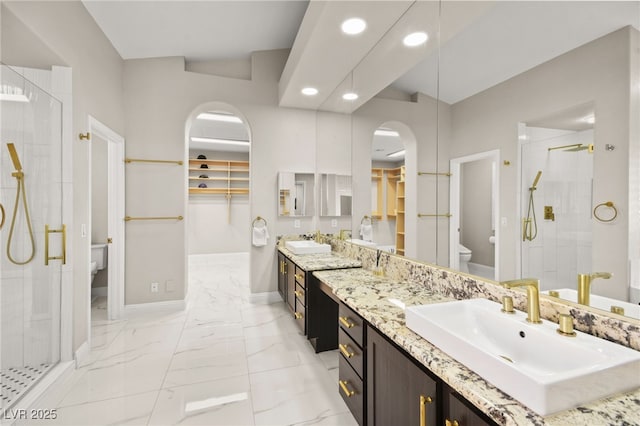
[297,315]
[345,389]
[345,321]
[298,293]
[448,422]
[424,400]
[345,350]
[299,276]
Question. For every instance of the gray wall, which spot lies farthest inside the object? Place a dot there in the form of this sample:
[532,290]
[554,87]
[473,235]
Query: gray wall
[72,39]
[596,72]
[99,181]
[475,206]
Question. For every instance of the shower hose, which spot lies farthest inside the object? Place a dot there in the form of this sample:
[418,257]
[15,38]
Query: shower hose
[530,223]
[20,190]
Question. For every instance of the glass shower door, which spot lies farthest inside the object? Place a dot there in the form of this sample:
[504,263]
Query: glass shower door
[31,199]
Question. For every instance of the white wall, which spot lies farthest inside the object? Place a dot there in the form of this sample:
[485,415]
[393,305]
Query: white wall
[596,72]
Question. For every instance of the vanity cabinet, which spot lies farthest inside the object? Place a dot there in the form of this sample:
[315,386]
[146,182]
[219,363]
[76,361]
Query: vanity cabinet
[458,412]
[282,276]
[300,302]
[398,390]
[352,362]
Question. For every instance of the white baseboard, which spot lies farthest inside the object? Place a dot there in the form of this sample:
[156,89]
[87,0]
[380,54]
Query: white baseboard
[143,308]
[265,298]
[82,354]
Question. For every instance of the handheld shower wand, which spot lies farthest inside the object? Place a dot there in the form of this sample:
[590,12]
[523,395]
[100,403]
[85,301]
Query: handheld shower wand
[20,189]
[530,224]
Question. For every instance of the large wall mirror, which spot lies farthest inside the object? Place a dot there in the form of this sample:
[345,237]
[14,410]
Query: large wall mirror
[559,111]
[335,194]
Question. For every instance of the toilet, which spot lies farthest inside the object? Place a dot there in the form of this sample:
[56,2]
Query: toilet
[465,257]
[98,258]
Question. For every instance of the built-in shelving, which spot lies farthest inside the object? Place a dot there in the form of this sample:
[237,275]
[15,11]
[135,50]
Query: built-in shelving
[221,177]
[400,209]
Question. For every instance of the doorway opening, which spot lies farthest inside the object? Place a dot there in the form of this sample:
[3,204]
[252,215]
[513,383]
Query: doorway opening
[106,256]
[474,241]
[218,204]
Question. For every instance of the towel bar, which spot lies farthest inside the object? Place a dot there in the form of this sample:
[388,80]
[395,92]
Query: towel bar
[129,218]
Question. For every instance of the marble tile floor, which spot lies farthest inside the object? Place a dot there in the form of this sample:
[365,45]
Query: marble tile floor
[223,361]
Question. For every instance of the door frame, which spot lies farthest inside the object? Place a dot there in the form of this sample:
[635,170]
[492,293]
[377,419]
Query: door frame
[454,204]
[115,219]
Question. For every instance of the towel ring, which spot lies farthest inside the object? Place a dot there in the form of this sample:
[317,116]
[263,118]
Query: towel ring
[605,204]
[258,219]
[367,218]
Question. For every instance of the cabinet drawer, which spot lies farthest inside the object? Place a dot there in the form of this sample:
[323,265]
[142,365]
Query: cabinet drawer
[351,323]
[300,314]
[351,388]
[351,352]
[300,277]
[300,294]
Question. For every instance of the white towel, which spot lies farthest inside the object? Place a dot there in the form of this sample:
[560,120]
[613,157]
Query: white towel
[366,232]
[260,236]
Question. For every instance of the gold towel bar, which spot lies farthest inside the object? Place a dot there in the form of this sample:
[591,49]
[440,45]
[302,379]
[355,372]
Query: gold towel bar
[129,218]
[434,215]
[434,174]
[137,160]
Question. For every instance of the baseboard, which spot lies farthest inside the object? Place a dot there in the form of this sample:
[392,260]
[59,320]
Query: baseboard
[82,354]
[265,298]
[99,291]
[164,306]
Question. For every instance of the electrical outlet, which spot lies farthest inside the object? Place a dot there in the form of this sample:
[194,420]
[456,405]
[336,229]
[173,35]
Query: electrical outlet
[296,223]
[83,230]
[334,223]
[154,287]
[170,286]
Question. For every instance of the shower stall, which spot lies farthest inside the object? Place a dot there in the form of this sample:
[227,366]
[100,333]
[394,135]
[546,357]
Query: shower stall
[32,237]
[556,229]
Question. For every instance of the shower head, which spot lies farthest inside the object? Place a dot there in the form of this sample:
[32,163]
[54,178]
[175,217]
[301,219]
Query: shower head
[573,148]
[535,181]
[14,157]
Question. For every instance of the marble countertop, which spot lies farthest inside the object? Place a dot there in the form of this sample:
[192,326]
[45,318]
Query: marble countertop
[381,302]
[320,261]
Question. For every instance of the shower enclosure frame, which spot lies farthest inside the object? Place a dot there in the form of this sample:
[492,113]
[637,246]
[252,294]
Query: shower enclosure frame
[57,83]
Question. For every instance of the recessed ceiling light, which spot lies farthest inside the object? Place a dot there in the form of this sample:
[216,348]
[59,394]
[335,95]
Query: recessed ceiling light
[350,96]
[222,141]
[386,132]
[396,154]
[415,39]
[216,116]
[353,26]
[309,91]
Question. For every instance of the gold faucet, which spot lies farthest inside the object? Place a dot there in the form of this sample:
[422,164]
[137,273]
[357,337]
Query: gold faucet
[533,297]
[317,237]
[344,233]
[584,285]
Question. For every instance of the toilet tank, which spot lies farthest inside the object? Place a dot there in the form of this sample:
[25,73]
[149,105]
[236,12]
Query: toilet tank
[99,255]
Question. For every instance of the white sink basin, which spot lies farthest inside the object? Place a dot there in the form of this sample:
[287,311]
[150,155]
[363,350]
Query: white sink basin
[307,247]
[362,242]
[600,302]
[531,362]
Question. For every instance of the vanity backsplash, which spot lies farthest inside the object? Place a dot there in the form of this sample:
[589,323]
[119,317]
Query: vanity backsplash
[624,331]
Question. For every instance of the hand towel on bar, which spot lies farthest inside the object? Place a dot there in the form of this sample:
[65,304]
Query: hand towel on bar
[366,232]
[260,236]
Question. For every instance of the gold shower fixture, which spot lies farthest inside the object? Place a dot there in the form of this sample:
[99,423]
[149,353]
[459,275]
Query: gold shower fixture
[574,148]
[20,190]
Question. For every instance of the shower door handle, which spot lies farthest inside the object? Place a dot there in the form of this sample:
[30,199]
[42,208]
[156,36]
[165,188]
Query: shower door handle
[48,231]
[2,218]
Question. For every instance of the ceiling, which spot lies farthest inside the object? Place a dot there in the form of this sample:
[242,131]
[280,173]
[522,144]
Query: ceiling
[483,43]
